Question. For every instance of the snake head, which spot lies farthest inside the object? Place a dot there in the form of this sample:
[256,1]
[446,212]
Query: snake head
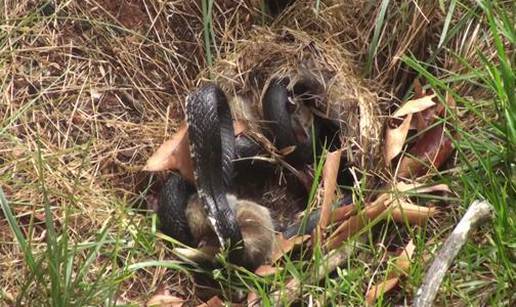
[289,121]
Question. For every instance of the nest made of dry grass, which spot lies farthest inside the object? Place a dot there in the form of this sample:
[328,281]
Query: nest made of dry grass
[343,96]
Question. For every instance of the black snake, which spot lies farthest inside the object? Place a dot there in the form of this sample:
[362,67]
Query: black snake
[212,143]
[212,148]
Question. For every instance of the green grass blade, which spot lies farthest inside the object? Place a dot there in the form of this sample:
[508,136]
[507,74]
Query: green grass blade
[447,21]
[373,47]
[15,228]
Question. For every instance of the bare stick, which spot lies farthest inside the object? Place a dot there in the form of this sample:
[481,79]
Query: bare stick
[477,213]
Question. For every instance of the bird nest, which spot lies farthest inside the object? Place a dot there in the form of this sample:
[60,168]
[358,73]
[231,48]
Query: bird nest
[341,96]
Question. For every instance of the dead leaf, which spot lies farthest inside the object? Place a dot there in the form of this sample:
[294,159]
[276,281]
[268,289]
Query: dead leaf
[450,102]
[342,213]
[415,106]
[265,270]
[402,265]
[418,89]
[413,214]
[377,291]
[358,221]
[253,299]
[433,147]
[330,172]
[421,188]
[395,139]
[426,118]
[174,154]
[213,302]
[284,246]
[165,300]
[429,152]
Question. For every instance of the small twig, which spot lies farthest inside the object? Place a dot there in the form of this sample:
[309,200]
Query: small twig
[477,213]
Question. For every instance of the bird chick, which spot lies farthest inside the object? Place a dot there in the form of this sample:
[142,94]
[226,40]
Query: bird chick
[255,223]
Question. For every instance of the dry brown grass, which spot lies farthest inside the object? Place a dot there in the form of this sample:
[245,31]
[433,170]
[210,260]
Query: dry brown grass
[94,87]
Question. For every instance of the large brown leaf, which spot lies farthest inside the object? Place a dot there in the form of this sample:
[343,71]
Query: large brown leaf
[396,133]
[395,138]
[415,215]
[433,146]
[429,152]
[174,154]
[415,106]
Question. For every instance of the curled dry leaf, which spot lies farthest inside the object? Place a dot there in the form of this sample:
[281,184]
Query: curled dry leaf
[413,214]
[433,147]
[421,188]
[401,210]
[415,106]
[265,270]
[427,117]
[402,265]
[284,246]
[174,154]
[418,89]
[330,172]
[213,302]
[396,135]
[165,300]
[395,139]
[253,299]
[429,152]
[342,213]
[358,221]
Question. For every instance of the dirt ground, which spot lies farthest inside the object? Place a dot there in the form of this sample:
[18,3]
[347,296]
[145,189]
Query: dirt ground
[91,88]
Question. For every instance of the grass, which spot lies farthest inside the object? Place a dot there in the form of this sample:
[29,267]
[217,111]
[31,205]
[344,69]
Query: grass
[207,8]
[72,231]
[487,155]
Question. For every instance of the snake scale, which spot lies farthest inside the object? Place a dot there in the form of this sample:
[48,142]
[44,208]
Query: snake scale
[212,143]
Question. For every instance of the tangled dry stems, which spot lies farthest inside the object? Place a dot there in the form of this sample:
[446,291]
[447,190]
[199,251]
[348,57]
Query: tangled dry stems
[90,90]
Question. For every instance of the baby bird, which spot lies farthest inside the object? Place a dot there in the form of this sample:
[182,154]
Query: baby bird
[255,224]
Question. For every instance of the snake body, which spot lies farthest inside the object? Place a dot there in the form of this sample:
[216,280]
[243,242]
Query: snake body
[212,149]
[212,144]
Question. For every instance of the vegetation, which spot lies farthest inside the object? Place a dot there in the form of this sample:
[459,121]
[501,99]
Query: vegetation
[90,88]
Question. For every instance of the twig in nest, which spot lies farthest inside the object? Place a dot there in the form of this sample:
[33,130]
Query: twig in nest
[478,212]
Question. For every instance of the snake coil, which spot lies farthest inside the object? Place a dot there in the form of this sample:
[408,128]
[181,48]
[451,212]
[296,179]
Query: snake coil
[212,144]
[213,148]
